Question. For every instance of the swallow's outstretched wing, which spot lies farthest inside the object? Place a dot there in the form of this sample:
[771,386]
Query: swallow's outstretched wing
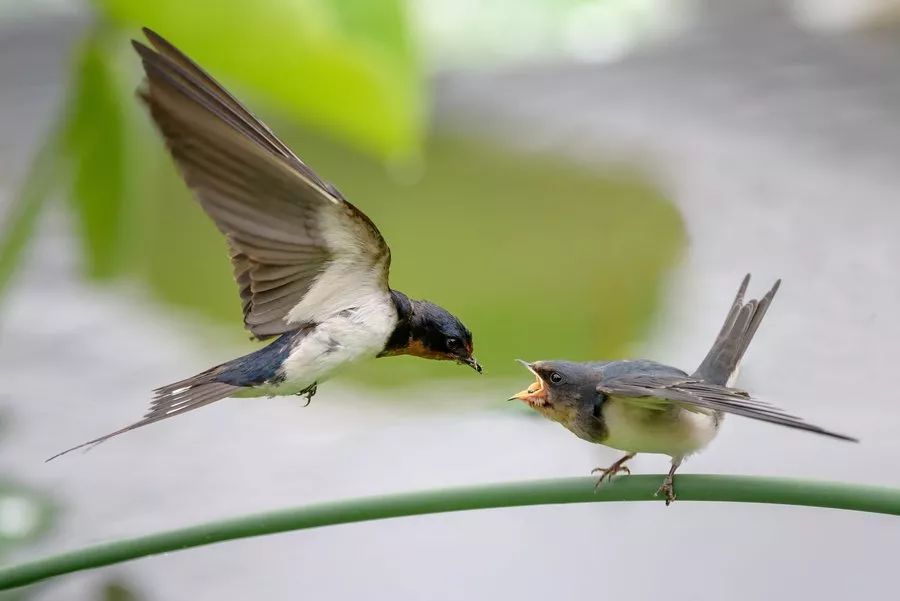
[299,249]
[660,391]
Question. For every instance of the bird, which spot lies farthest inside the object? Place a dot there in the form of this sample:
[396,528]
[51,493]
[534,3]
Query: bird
[312,269]
[641,406]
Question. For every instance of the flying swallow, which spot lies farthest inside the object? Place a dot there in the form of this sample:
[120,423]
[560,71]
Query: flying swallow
[311,268]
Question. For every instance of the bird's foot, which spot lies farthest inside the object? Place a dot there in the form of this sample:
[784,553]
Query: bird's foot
[667,488]
[309,392]
[608,472]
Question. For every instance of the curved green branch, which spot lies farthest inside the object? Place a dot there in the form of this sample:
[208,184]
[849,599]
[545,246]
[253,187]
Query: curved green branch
[545,492]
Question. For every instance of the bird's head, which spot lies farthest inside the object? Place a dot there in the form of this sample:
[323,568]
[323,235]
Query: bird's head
[558,389]
[431,332]
[438,334]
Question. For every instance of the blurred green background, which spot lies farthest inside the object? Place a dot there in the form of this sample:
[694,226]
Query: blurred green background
[537,256]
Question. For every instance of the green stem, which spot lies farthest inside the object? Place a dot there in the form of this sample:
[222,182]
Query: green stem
[20,222]
[546,492]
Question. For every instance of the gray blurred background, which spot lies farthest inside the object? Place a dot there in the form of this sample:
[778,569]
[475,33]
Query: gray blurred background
[634,160]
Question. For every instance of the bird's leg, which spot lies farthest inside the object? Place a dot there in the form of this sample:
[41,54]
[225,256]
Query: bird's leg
[668,485]
[608,472]
[309,392]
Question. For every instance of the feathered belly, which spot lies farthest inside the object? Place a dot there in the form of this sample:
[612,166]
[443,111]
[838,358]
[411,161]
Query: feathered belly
[332,345]
[672,431]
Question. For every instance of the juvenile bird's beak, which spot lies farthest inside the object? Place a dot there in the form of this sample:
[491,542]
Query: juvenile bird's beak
[531,395]
[521,396]
[473,363]
[534,394]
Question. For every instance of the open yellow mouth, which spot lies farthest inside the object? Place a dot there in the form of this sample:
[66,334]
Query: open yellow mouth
[535,395]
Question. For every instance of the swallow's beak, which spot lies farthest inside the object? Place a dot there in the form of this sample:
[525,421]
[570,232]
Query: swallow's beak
[473,363]
[534,395]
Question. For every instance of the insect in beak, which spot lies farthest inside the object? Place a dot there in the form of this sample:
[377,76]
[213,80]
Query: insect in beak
[472,362]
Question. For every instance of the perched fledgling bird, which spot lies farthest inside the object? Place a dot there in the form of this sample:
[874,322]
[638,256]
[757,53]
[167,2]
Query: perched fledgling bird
[646,407]
[312,269]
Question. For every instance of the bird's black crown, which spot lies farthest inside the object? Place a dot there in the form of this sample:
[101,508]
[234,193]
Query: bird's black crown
[427,330]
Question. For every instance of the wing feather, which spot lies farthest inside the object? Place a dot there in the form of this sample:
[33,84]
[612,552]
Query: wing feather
[286,228]
[661,391]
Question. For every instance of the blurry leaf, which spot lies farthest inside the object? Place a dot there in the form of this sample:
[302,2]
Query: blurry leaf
[94,141]
[535,255]
[183,256]
[20,221]
[345,66]
[117,590]
[24,516]
[500,34]
[539,257]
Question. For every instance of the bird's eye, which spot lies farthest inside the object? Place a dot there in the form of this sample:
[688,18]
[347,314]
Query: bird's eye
[555,378]
[452,343]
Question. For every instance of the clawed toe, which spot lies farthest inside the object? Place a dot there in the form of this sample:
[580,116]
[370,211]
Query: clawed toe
[668,489]
[309,392]
[610,471]
[668,486]
[607,473]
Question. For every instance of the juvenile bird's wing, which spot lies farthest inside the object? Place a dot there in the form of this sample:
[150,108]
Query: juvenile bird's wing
[721,363]
[658,391]
[299,249]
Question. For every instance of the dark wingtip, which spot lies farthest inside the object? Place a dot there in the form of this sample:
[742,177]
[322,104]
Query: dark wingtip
[829,433]
[159,42]
[151,35]
[775,288]
[139,46]
[742,290]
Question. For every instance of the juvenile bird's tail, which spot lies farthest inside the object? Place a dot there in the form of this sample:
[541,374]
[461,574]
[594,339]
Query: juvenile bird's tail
[721,363]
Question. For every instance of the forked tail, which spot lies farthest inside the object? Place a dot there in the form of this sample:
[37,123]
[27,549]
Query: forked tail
[170,401]
[219,382]
[721,363]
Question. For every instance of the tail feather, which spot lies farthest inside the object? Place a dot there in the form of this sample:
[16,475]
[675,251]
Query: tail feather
[170,401]
[741,323]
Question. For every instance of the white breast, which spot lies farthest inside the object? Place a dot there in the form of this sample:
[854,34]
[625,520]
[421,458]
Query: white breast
[342,338]
[674,432]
